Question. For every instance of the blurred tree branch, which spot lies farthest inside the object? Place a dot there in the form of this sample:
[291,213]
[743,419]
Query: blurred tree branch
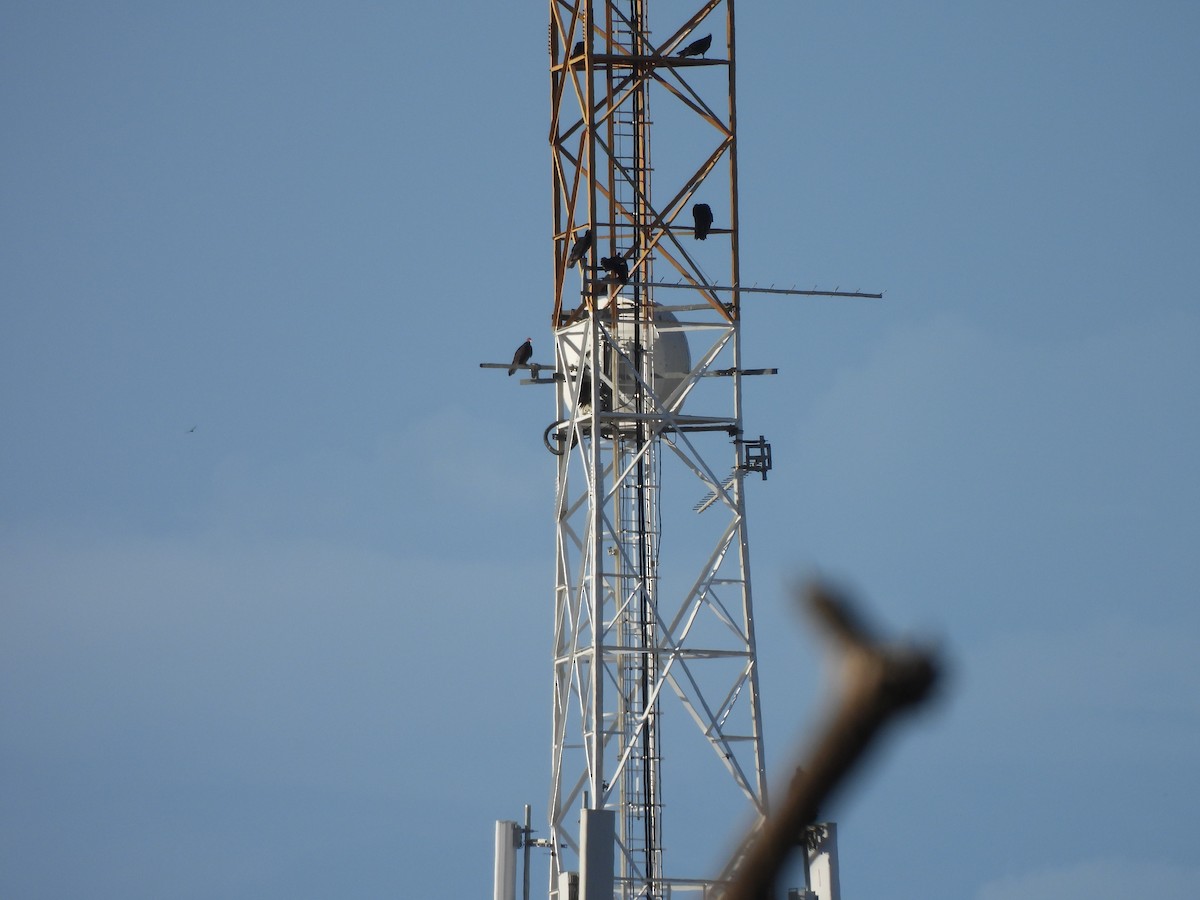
[878,683]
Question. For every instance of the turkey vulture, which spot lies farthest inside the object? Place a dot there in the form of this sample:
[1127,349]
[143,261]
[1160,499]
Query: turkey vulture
[702,213]
[580,248]
[696,48]
[617,268]
[522,356]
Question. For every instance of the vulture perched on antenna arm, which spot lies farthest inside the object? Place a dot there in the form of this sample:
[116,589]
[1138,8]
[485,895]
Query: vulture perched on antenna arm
[702,214]
[697,48]
[617,268]
[523,355]
[579,250]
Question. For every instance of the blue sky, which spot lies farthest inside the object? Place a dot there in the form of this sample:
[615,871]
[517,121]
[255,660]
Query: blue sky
[303,651]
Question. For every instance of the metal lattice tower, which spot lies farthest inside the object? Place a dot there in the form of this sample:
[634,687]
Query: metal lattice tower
[654,646]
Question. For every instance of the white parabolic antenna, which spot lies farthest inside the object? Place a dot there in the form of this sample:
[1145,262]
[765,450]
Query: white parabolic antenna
[669,359]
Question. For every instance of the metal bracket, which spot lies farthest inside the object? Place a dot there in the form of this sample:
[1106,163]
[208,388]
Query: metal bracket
[755,456]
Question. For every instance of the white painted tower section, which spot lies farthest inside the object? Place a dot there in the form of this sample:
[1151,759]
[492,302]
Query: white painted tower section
[635,641]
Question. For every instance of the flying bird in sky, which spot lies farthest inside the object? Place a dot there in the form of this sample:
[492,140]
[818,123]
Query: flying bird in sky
[522,356]
[617,268]
[702,214]
[580,248]
[697,48]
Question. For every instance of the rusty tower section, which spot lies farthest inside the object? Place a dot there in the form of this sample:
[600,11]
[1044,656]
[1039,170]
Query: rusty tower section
[656,711]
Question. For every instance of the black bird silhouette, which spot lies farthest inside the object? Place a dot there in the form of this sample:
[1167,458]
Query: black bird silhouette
[696,48]
[617,268]
[702,214]
[580,248]
[522,356]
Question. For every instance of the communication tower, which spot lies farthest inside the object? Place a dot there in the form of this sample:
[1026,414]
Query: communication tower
[656,711]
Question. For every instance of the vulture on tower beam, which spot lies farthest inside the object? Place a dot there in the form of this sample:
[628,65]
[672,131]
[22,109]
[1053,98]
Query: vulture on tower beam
[523,355]
[617,268]
[580,248]
[697,48]
[702,214]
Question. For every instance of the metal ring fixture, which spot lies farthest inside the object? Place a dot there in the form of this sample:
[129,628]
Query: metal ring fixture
[546,438]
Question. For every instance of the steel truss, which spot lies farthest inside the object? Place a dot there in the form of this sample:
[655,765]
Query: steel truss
[653,612]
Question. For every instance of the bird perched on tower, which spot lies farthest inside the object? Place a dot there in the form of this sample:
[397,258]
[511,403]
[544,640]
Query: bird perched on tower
[523,355]
[697,47]
[580,248]
[617,268]
[702,214]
